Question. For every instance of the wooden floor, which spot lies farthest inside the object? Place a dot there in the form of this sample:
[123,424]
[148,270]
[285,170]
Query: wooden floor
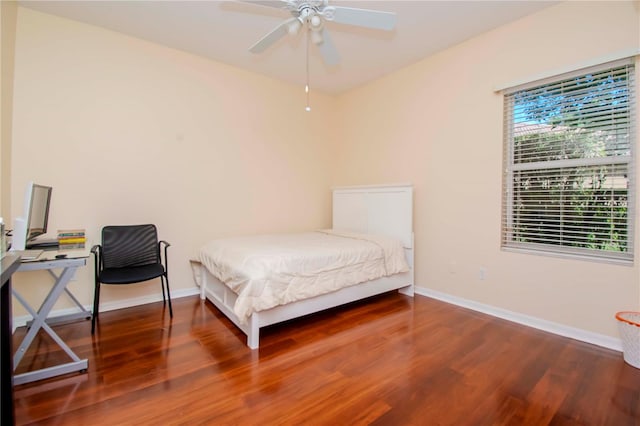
[390,361]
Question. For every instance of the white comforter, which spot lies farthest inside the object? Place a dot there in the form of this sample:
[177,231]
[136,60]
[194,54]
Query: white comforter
[271,270]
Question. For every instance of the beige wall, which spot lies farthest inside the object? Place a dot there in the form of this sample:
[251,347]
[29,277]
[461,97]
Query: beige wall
[438,124]
[8,17]
[131,132]
[231,151]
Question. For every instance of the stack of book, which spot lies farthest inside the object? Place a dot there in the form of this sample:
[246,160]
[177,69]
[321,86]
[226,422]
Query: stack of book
[71,239]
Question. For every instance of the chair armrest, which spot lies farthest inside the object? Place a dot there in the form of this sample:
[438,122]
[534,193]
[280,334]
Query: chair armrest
[166,259]
[97,264]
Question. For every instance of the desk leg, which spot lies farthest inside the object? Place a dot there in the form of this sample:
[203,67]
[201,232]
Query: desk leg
[38,323]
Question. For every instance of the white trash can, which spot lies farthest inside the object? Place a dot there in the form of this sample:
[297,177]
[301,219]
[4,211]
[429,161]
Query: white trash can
[629,326]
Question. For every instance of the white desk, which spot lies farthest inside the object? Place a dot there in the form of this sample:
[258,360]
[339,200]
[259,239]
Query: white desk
[68,267]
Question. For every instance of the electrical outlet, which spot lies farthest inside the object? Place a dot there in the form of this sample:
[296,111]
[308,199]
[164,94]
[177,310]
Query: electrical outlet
[482,274]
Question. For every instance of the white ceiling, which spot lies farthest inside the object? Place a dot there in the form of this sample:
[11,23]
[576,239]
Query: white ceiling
[224,30]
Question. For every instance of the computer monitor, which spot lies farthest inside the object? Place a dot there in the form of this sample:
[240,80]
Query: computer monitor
[35,218]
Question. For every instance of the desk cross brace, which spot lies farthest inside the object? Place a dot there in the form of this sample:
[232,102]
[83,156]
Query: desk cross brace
[39,321]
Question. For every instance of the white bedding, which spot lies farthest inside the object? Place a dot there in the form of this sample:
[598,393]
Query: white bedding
[270,270]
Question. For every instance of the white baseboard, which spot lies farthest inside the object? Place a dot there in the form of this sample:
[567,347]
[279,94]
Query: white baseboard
[112,306]
[548,326]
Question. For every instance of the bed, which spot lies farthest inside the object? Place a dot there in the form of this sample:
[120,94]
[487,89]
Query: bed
[372,226]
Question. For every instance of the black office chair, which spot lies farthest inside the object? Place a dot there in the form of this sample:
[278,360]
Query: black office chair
[129,254]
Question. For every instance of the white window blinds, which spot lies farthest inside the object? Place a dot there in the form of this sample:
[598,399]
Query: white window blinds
[569,168]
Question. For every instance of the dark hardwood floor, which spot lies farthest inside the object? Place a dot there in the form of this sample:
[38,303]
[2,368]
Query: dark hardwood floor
[391,360]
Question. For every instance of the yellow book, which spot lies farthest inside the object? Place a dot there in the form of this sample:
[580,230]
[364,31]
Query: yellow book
[72,240]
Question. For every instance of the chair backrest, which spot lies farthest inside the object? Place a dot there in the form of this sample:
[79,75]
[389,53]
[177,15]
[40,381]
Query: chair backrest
[129,245]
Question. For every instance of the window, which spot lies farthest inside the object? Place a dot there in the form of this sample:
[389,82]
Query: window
[569,169]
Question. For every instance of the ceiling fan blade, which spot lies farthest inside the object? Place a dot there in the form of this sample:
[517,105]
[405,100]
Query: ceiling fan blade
[276,34]
[328,50]
[375,19]
[278,4]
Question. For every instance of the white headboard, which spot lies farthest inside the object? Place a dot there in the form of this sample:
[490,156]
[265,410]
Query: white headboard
[380,209]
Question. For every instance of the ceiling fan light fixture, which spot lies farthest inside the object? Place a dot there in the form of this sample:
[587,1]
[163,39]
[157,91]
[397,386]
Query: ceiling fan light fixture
[294,26]
[316,37]
[315,21]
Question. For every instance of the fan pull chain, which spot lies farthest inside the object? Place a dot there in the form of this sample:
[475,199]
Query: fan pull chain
[306,87]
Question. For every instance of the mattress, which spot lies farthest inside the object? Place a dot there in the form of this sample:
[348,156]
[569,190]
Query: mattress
[270,270]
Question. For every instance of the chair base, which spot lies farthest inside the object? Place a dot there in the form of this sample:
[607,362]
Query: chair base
[164,281]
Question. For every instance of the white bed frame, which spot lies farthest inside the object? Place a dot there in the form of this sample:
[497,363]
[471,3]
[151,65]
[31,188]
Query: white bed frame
[385,210]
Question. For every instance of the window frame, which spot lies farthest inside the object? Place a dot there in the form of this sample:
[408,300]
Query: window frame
[510,168]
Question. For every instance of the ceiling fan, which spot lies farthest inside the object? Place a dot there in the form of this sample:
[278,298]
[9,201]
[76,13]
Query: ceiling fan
[313,14]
